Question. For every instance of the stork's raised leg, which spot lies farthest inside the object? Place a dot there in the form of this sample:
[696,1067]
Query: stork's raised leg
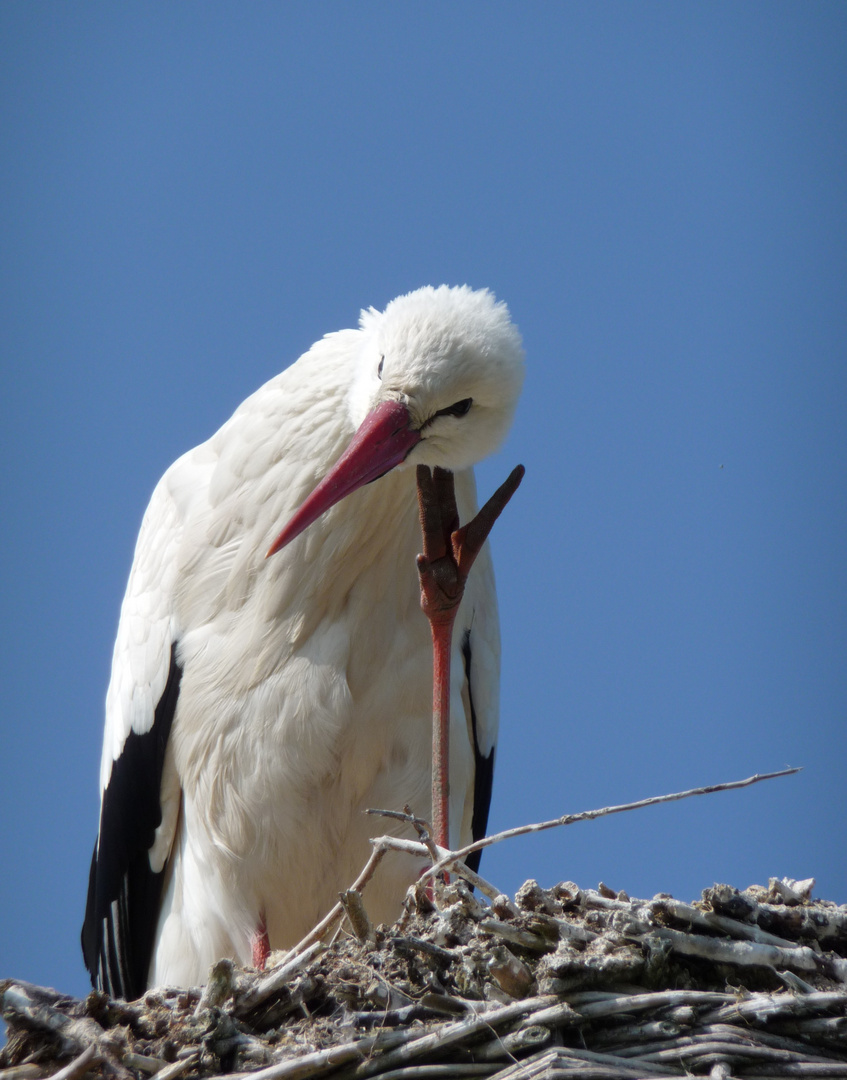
[448,555]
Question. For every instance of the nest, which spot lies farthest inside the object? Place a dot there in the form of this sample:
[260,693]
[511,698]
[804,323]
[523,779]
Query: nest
[558,982]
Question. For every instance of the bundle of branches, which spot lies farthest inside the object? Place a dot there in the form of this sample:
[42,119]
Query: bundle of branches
[557,982]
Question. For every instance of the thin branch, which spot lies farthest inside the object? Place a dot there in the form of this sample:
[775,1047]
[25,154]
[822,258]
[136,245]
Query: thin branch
[80,1065]
[335,913]
[279,976]
[448,859]
[421,826]
[590,815]
[435,852]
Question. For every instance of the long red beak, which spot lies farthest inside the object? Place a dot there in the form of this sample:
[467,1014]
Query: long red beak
[383,441]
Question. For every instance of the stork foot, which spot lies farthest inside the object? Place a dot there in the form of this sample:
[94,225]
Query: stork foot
[449,552]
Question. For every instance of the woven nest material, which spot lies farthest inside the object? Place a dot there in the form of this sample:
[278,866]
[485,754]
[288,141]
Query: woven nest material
[558,982]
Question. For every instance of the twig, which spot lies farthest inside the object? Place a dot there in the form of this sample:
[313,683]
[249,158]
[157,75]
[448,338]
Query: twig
[524,939]
[218,987]
[451,1033]
[515,1042]
[357,916]
[451,1026]
[737,953]
[143,1063]
[454,859]
[711,921]
[590,815]
[638,1069]
[36,1008]
[766,1006]
[335,913]
[310,1064]
[435,852]
[617,1004]
[171,1072]
[79,1066]
[421,826]
[278,977]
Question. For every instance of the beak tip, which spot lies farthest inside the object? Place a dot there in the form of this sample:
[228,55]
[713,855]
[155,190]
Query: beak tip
[284,538]
[382,441]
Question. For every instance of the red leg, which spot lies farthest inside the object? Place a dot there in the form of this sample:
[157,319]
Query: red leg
[448,555]
[261,945]
[442,639]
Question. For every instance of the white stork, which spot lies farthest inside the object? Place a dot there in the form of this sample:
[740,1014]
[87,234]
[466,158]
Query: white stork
[258,705]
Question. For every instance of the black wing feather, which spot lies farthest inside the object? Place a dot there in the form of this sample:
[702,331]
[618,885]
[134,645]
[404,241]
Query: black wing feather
[118,934]
[483,771]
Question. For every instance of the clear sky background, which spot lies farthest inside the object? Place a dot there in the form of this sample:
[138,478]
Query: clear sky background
[193,193]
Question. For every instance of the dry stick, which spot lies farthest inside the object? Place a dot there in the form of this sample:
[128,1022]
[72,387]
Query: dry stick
[279,976]
[739,953]
[319,1061]
[421,827]
[590,815]
[649,913]
[427,848]
[171,1072]
[448,858]
[142,1063]
[22,1072]
[709,921]
[435,851]
[39,1009]
[449,1034]
[334,914]
[399,1046]
[383,844]
[623,1067]
[80,1065]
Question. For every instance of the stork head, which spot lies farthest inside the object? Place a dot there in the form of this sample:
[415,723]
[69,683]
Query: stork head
[437,382]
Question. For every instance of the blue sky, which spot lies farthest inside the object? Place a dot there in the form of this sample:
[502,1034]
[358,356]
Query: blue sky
[194,193]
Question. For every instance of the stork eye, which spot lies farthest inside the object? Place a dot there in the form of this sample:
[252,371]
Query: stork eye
[461,408]
[381,365]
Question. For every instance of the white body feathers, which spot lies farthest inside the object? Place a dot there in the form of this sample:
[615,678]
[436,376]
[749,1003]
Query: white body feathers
[306,689]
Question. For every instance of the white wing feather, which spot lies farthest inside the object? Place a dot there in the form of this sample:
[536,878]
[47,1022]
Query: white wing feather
[195,526]
[146,630]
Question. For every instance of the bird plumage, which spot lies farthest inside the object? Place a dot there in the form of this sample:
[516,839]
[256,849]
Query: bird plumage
[257,706]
